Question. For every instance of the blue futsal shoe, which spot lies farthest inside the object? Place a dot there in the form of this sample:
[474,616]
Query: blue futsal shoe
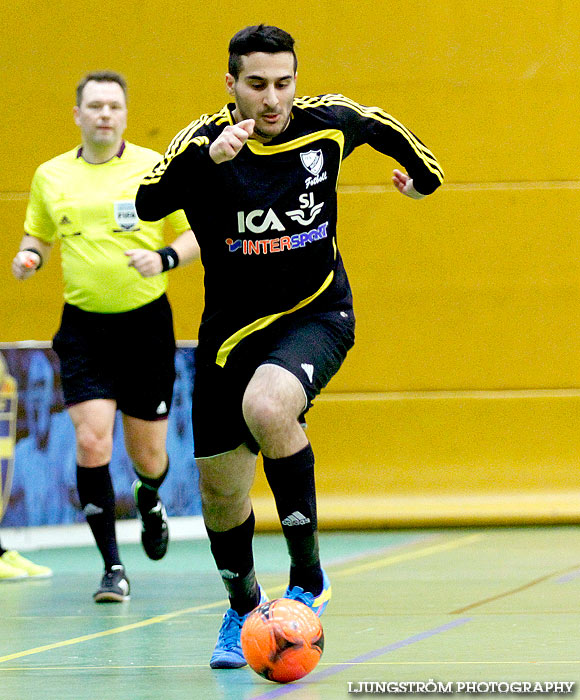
[228,650]
[316,603]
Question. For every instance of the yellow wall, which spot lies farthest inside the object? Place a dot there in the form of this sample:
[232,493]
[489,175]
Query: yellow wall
[474,289]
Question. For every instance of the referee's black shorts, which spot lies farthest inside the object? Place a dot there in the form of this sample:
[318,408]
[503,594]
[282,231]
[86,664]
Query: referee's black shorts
[128,357]
[310,346]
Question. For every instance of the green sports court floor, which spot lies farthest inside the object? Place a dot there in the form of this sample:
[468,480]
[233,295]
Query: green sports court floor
[449,605]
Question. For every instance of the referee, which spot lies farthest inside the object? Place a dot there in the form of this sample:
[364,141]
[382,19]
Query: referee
[257,181]
[115,343]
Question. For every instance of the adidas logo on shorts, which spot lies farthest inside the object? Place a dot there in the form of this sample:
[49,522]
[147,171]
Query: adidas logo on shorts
[296,518]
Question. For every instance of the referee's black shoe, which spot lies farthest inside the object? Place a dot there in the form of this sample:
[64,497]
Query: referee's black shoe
[155,531]
[114,586]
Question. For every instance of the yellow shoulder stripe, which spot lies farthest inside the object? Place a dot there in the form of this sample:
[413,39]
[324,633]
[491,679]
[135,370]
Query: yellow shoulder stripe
[183,139]
[381,116]
[261,149]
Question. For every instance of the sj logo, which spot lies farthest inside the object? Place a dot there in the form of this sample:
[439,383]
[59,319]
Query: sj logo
[257,221]
[308,209]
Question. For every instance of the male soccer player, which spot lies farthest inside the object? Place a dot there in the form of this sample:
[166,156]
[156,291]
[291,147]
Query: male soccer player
[258,182]
[115,342]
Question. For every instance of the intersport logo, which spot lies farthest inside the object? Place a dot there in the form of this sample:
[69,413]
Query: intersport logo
[277,245]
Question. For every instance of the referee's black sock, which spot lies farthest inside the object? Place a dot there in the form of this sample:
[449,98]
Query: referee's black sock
[97,498]
[149,494]
[292,482]
[232,551]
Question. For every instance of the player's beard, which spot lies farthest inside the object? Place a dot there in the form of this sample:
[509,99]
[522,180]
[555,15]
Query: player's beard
[266,135]
[257,131]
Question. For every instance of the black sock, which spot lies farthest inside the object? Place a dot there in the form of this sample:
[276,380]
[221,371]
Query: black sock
[149,495]
[2,550]
[97,499]
[292,482]
[232,551]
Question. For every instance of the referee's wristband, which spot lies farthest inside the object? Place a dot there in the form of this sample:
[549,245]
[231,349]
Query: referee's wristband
[169,258]
[35,250]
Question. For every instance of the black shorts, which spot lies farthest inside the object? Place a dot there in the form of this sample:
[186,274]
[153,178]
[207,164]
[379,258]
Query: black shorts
[311,347]
[128,357]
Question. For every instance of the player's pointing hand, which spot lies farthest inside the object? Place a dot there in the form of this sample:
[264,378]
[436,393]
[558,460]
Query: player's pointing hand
[230,142]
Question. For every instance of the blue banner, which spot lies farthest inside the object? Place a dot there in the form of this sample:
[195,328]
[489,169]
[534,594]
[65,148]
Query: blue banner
[44,484]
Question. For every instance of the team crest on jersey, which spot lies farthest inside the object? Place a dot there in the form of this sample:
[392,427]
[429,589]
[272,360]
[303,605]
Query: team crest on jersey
[313,161]
[126,214]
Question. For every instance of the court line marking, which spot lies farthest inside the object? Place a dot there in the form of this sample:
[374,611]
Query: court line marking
[429,662]
[337,668]
[409,556]
[413,541]
[387,561]
[569,577]
[559,662]
[513,591]
[114,630]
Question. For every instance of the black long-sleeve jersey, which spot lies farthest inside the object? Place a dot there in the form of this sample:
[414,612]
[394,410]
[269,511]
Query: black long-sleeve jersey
[266,220]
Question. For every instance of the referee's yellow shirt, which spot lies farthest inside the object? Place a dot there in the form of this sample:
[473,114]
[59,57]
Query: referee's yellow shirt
[91,209]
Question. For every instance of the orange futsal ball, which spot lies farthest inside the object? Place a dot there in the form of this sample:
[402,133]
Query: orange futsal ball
[282,640]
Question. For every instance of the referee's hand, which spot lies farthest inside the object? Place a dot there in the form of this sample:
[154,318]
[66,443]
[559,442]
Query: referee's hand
[24,264]
[146,262]
[230,142]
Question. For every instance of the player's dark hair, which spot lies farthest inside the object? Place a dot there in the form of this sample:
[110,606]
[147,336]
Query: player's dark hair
[259,37]
[101,76]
